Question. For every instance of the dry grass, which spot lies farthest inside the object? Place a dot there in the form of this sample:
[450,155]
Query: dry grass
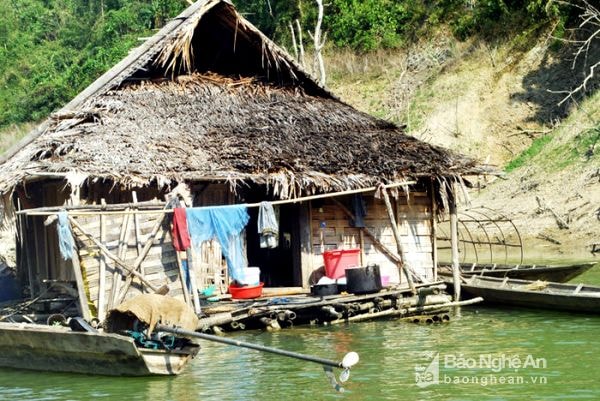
[10,135]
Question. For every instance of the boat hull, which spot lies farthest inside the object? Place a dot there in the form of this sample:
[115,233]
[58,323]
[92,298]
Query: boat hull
[58,349]
[556,274]
[554,296]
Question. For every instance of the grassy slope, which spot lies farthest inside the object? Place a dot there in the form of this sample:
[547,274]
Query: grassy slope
[493,103]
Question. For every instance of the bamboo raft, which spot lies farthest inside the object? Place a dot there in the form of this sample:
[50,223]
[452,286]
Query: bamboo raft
[274,313]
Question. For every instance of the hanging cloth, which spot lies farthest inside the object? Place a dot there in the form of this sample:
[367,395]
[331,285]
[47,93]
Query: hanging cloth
[226,224]
[65,236]
[359,207]
[181,237]
[268,226]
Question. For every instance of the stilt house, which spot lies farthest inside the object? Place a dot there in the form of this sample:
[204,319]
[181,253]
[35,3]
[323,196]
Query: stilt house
[212,103]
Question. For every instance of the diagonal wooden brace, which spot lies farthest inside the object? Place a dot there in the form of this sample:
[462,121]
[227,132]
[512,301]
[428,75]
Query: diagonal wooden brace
[124,266]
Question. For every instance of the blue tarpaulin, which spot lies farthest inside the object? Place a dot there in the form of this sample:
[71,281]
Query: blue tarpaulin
[225,223]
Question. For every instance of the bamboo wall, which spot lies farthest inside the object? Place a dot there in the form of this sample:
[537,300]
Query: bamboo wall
[331,228]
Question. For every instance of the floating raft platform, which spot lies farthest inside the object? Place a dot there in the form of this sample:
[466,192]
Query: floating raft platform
[292,309]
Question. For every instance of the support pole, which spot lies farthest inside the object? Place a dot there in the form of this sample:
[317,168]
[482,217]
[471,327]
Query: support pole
[191,256]
[396,232]
[102,274]
[454,244]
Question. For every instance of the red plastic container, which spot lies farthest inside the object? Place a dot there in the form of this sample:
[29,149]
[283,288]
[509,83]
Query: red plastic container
[245,292]
[338,260]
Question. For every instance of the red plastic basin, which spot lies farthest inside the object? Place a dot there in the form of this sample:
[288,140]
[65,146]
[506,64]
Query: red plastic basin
[245,292]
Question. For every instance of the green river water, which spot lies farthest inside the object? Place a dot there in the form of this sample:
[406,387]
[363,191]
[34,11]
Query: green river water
[478,358]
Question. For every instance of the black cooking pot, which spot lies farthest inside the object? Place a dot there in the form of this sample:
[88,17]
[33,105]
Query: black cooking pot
[321,290]
[363,280]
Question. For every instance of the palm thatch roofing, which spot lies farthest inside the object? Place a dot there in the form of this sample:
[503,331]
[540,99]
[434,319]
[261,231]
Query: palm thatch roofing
[211,98]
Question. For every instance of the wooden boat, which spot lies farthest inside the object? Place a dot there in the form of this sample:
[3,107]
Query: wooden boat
[534,294]
[554,273]
[60,349]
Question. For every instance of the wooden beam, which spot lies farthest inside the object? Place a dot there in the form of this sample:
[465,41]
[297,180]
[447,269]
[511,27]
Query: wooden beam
[102,270]
[138,261]
[454,244]
[376,242]
[116,278]
[396,232]
[124,266]
[306,260]
[434,230]
[84,308]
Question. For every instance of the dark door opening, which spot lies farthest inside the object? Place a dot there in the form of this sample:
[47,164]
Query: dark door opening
[280,266]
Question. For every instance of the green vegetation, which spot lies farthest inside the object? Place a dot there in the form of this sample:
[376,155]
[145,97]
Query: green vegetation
[535,149]
[52,49]
[366,25]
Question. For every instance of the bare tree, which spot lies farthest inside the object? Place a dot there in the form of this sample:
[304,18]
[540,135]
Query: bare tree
[294,44]
[319,43]
[589,30]
[300,43]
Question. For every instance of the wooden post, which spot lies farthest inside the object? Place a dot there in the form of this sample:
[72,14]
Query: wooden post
[454,244]
[116,278]
[102,282]
[190,264]
[25,248]
[138,235]
[182,276]
[84,308]
[390,212]
[306,255]
[361,238]
[434,231]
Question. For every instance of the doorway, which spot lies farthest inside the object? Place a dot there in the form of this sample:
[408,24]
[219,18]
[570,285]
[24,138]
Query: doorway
[280,266]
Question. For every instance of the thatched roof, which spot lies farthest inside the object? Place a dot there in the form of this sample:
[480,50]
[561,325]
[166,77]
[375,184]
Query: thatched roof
[211,98]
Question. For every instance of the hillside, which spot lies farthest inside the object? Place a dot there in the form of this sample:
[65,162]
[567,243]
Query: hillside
[494,103]
[476,77]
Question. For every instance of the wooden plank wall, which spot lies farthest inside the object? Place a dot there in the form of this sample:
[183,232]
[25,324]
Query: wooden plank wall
[160,266]
[331,229]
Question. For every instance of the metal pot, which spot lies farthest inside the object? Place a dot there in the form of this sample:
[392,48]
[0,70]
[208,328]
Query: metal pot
[363,280]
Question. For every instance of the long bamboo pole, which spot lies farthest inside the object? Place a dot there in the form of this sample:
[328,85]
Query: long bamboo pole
[94,209]
[454,245]
[346,363]
[116,277]
[396,233]
[102,274]
[376,242]
[405,311]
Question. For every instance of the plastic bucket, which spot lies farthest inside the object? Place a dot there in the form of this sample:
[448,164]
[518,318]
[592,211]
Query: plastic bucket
[251,276]
[338,260]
